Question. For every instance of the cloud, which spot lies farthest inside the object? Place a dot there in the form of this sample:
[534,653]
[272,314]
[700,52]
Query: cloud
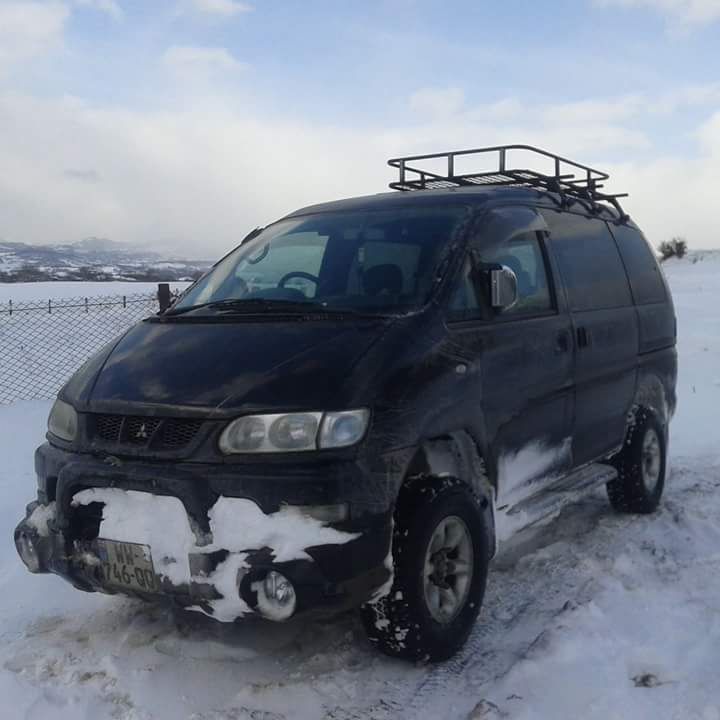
[450,102]
[195,178]
[600,124]
[692,96]
[687,12]
[190,60]
[110,7]
[29,29]
[222,8]
[88,176]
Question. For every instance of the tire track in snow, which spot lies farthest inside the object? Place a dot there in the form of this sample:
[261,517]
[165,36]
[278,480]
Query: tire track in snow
[527,595]
[518,607]
[531,589]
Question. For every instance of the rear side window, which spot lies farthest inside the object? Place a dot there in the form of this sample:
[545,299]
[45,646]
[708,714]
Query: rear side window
[642,267]
[589,262]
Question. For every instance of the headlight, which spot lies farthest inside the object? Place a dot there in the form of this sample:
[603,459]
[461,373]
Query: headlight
[341,429]
[63,421]
[294,432]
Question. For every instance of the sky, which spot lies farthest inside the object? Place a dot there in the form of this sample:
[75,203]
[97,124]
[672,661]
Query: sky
[181,124]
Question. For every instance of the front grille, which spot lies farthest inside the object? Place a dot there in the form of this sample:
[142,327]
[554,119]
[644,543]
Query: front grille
[139,432]
[107,427]
[179,433]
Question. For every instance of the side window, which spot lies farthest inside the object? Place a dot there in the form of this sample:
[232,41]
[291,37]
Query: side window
[643,270]
[463,302]
[524,257]
[589,262]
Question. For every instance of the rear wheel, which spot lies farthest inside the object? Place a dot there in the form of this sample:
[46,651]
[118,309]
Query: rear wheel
[440,558]
[640,465]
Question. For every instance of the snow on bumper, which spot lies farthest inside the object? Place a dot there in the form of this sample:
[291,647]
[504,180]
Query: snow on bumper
[206,569]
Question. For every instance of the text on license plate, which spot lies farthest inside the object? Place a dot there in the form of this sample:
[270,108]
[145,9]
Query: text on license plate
[127,565]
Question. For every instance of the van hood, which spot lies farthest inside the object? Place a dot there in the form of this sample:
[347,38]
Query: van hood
[254,365]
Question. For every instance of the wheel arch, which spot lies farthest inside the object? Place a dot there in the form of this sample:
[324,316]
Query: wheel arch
[651,394]
[453,457]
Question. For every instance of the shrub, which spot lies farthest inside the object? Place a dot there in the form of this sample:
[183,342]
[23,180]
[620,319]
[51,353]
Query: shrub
[677,247]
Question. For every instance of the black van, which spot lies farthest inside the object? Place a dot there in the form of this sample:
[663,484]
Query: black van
[357,404]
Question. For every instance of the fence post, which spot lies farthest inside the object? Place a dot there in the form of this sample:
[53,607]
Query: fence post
[10,301]
[163,295]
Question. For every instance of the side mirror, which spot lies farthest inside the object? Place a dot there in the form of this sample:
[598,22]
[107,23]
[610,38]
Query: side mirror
[503,288]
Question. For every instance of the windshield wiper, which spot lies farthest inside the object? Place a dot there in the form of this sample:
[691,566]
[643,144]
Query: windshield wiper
[266,304]
[242,305]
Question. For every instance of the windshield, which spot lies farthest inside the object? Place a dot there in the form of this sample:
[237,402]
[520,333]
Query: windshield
[366,261]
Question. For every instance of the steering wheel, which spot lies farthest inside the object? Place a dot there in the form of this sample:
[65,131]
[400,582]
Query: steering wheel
[298,274]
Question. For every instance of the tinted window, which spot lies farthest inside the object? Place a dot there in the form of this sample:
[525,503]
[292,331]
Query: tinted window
[524,257]
[589,261]
[464,302]
[642,267]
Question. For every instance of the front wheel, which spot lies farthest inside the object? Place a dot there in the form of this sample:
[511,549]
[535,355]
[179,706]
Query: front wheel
[640,465]
[440,558]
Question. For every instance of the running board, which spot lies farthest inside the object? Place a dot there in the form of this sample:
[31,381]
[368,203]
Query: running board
[553,498]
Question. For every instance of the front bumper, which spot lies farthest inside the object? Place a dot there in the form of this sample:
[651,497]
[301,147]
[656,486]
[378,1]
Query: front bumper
[59,537]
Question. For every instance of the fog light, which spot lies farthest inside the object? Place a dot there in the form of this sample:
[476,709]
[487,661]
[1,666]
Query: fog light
[28,552]
[276,596]
[279,588]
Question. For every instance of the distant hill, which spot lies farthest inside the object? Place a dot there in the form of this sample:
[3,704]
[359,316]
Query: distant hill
[92,259]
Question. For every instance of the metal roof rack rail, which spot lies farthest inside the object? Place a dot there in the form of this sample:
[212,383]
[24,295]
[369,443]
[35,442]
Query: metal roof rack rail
[569,179]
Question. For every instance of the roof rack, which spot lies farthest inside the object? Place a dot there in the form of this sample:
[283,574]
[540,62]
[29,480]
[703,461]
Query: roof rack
[570,180]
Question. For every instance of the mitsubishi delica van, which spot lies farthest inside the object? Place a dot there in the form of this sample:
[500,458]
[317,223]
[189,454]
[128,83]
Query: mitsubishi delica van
[360,403]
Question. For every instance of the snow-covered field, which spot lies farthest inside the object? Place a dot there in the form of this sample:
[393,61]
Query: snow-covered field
[596,616]
[25,292]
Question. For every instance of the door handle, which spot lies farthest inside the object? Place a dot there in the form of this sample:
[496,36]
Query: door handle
[583,337]
[562,342]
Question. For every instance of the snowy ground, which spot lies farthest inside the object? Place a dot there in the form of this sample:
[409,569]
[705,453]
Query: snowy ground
[596,616]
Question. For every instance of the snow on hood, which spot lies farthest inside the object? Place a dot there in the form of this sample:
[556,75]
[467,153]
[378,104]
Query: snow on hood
[236,525]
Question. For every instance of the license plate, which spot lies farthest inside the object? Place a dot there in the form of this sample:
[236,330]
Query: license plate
[127,565]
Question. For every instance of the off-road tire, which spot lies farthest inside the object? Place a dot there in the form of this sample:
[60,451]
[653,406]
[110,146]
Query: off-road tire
[400,624]
[630,492]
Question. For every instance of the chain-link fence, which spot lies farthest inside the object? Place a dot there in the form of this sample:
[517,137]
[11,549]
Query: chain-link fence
[43,342]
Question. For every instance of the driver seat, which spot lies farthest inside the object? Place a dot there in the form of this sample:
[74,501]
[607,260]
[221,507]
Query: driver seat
[386,279]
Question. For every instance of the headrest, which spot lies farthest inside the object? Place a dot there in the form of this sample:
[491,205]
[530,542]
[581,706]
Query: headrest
[387,279]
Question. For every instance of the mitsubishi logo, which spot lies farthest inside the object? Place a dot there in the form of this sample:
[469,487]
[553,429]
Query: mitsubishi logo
[141,434]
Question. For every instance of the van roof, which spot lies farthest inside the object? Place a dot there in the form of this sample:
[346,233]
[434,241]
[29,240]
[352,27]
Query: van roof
[477,196]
